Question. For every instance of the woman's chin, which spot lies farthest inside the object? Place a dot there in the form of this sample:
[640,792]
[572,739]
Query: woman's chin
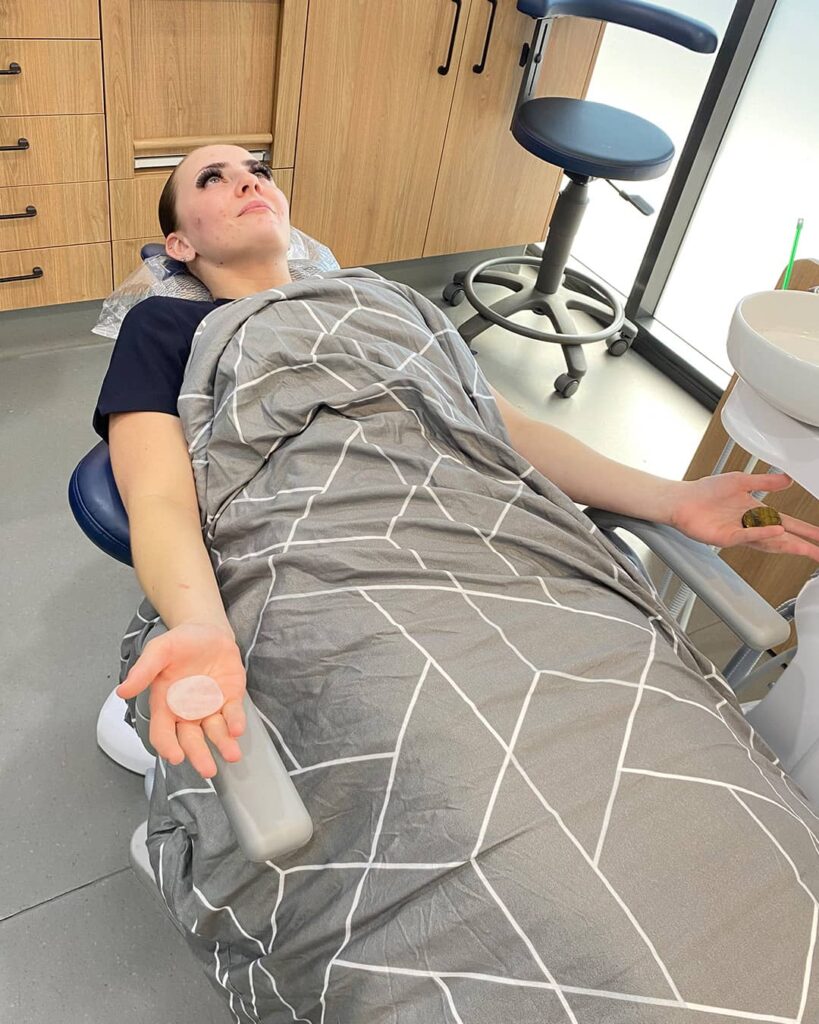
[267,241]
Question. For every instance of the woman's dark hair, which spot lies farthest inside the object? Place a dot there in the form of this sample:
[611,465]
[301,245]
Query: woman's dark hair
[167,205]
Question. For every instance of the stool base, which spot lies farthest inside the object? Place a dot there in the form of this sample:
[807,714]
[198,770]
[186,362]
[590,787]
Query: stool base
[578,292]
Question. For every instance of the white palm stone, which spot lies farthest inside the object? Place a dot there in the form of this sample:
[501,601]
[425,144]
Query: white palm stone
[195,697]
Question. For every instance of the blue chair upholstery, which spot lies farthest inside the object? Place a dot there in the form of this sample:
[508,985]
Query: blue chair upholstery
[97,506]
[645,17]
[590,138]
[158,249]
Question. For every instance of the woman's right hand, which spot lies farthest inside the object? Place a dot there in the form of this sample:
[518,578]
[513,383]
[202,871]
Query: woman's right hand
[191,649]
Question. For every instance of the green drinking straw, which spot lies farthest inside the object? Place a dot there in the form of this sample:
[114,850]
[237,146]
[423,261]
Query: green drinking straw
[786,280]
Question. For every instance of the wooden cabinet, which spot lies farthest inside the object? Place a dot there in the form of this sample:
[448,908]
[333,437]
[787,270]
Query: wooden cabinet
[372,125]
[182,74]
[54,232]
[397,161]
[207,71]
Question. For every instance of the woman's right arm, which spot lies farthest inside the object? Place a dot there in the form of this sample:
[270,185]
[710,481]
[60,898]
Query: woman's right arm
[152,468]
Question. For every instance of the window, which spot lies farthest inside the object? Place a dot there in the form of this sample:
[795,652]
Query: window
[614,235]
[765,176]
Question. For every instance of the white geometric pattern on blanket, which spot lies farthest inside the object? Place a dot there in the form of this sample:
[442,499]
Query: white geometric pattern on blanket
[446,982]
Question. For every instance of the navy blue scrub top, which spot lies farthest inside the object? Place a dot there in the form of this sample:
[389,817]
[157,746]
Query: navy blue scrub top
[149,358]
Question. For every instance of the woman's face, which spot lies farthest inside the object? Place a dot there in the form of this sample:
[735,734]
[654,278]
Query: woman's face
[228,207]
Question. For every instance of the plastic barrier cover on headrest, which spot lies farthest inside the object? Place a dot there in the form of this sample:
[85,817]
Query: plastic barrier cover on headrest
[160,275]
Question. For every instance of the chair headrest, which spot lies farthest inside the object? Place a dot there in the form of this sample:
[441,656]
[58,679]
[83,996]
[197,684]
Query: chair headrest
[160,275]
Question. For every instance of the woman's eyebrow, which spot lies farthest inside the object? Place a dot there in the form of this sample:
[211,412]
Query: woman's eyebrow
[222,164]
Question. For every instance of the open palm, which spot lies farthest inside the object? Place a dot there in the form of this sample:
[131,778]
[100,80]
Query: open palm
[710,510]
[187,650]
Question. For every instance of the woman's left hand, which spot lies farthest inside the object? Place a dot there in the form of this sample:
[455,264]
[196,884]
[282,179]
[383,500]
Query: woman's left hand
[710,510]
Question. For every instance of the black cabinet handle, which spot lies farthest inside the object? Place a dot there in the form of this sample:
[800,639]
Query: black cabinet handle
[21,144]
[479,68]
[444,68]
[30,211]
[36,272]
[14,69]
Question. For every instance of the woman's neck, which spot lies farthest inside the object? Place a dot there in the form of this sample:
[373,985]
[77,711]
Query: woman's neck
[235,282]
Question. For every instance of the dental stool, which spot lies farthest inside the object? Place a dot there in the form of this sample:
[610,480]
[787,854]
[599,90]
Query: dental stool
[586,140]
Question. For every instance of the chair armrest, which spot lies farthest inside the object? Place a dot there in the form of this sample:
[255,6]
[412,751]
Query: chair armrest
[646,17]
[259,798]
[735,602]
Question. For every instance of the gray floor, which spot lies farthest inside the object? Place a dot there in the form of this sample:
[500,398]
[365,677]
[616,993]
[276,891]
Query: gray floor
[80,940]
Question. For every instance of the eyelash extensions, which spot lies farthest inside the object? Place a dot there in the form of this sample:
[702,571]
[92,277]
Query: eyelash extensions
[215,172]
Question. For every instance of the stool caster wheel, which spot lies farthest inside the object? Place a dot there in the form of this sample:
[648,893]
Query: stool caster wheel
[618,346]
[623,340]
[566,386]
[453,294]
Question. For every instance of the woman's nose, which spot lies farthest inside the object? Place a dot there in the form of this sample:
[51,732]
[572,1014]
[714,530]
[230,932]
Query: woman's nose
[248,181]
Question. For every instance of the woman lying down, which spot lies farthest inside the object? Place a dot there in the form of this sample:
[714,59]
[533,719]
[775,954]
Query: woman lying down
[534,800]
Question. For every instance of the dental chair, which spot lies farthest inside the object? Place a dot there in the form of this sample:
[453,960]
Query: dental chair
[257,794]
[587,140]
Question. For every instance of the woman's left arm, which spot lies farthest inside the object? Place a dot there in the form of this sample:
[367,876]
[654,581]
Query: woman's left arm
[708,510]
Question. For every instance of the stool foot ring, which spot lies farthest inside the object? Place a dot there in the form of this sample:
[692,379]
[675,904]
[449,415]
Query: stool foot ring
[529,298]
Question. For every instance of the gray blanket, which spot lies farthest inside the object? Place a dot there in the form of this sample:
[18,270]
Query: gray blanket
[534,800]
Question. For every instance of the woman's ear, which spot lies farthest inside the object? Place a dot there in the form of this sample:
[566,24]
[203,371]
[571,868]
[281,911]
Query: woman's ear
[179,248]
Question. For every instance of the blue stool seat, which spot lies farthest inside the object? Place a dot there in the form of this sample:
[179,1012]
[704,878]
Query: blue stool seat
[592,139]
[97,506]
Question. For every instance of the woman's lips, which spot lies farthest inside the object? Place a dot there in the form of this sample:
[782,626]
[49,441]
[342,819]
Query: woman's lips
[255,205]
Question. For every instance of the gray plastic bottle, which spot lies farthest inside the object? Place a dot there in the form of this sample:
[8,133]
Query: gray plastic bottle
[260,800]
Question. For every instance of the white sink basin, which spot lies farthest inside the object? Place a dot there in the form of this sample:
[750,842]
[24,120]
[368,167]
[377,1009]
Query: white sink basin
[773,344]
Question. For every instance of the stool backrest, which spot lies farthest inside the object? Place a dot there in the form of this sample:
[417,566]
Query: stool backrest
[645,17]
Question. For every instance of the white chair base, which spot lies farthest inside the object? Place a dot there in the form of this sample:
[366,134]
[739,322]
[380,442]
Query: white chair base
[118,740]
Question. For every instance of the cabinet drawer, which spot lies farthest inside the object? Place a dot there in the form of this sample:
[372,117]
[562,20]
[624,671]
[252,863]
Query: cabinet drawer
[58,76]
[59,149]
[71,273]
[63,215]
[66,19]
[134,201]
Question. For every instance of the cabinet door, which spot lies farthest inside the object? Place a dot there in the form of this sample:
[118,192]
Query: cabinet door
[184,74]
[491,192]
[372,123]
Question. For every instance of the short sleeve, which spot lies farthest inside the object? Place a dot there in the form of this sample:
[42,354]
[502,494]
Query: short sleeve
[147,365]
